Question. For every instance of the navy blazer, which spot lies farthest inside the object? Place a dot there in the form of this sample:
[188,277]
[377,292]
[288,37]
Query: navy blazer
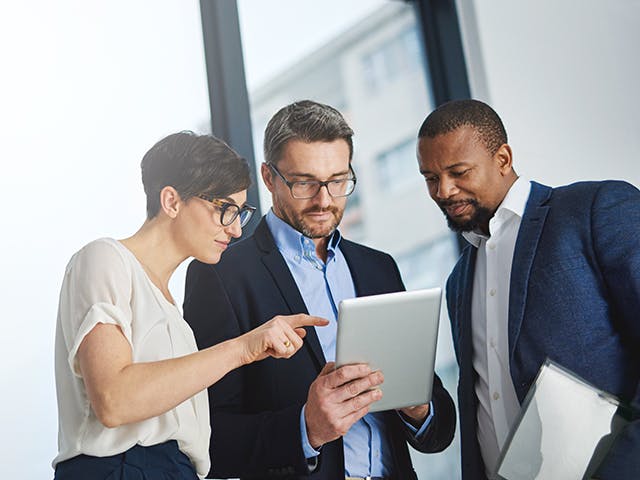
[574,297]
[255,410]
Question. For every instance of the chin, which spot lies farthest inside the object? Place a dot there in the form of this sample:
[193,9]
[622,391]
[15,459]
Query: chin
[319,232]
[210,258]
[321,229]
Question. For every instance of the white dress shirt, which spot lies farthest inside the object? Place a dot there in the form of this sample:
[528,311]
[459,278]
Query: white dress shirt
[105,283]
[498,404]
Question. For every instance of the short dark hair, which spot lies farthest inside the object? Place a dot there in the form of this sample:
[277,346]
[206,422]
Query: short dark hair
[473,113]
[193,165]
[308,121]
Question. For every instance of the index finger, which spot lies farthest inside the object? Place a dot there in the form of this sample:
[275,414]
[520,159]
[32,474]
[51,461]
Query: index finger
[347,373]
[303,320]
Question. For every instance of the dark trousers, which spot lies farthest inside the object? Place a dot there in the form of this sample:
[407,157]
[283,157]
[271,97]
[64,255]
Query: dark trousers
[157,462]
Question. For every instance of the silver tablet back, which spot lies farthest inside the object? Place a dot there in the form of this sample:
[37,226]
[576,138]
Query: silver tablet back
[396,333]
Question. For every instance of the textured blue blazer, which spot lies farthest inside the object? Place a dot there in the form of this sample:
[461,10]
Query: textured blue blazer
[255,410]
[574,297]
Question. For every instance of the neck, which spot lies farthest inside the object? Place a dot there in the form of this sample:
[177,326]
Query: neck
[154,247]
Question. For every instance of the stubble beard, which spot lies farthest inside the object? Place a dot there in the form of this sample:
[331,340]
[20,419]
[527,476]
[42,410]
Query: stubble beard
[297,221]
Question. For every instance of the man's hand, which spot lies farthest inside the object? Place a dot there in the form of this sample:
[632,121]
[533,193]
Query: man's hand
[415,415]
[339,398]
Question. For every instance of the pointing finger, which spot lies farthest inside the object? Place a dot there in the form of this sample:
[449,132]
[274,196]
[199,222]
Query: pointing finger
[301,320]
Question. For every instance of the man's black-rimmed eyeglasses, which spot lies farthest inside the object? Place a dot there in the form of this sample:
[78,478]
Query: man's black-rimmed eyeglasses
[304,189]
[230,211]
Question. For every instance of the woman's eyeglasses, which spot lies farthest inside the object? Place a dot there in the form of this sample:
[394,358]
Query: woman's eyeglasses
[230,211]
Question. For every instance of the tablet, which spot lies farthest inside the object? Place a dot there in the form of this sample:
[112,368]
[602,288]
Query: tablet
[396,333]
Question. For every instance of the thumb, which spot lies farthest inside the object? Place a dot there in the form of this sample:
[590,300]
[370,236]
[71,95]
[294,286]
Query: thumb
[328,368]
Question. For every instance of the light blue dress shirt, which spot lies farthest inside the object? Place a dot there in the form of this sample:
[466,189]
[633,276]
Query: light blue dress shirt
[322,286]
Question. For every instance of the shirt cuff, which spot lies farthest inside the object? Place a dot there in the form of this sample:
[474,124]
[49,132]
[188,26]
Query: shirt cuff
[309,451]
[418,432]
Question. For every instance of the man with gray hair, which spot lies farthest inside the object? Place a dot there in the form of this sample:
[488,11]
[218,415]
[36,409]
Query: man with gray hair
[304,418]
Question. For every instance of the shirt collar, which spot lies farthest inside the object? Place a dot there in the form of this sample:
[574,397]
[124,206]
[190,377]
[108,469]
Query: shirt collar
[514,203]
[292,243]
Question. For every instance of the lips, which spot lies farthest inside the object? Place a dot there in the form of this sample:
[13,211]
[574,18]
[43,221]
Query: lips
[222,245]
[457,209]
[320,216]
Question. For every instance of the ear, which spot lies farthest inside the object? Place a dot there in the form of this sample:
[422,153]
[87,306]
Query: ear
[267,176]
[170,201]
[504,159]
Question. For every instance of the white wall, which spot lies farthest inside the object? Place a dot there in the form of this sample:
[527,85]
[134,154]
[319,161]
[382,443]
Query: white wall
[563,75]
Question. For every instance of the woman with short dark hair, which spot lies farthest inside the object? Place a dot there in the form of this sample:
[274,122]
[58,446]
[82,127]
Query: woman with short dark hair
[131,384]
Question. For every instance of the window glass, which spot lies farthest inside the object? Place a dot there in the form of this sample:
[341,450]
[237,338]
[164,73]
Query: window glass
[396,167]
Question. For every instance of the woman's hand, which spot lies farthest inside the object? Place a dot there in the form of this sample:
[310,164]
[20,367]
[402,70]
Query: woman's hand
[123,392]
[280,337]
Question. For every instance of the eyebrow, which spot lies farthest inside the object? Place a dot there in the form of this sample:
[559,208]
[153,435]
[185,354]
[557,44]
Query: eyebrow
[313,177]
[232,201]
[455,165]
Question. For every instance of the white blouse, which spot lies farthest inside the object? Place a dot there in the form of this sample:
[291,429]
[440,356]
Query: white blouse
[105,283]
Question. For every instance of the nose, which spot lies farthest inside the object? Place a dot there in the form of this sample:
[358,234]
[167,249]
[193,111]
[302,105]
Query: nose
[323,198]
[446,188]
[234,230]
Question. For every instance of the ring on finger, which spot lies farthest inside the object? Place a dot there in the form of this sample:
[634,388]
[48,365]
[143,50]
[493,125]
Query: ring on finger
[287,343]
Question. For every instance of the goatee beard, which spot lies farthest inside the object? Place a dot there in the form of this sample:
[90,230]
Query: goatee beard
[297,222]
[309,234]
[306,230]
[479,219]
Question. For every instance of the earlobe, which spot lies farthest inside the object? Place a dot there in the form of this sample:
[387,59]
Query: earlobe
[170,201]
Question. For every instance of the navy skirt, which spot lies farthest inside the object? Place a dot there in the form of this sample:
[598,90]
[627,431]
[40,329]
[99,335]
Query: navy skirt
[157,462]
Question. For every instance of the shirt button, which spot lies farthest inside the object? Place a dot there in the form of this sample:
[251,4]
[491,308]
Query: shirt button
[496,395]
[492,246]
[492,292]
[297,258]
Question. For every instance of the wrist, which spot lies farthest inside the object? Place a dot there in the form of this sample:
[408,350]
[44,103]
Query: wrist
[316,445]
[314,442]
[415,415]
[239,351]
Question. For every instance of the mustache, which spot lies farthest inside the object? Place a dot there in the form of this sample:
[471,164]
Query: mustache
[331,209]
[455,203]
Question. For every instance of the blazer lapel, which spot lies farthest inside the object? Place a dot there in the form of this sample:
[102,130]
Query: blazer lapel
[529,234]
[357,268]
[465,332]
[462,290]
[277,267]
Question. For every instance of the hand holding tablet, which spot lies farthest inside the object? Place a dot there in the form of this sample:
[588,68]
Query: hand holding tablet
[397,334]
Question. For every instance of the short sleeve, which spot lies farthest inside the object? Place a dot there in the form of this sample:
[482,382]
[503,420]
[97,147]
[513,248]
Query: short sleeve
[96,289]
